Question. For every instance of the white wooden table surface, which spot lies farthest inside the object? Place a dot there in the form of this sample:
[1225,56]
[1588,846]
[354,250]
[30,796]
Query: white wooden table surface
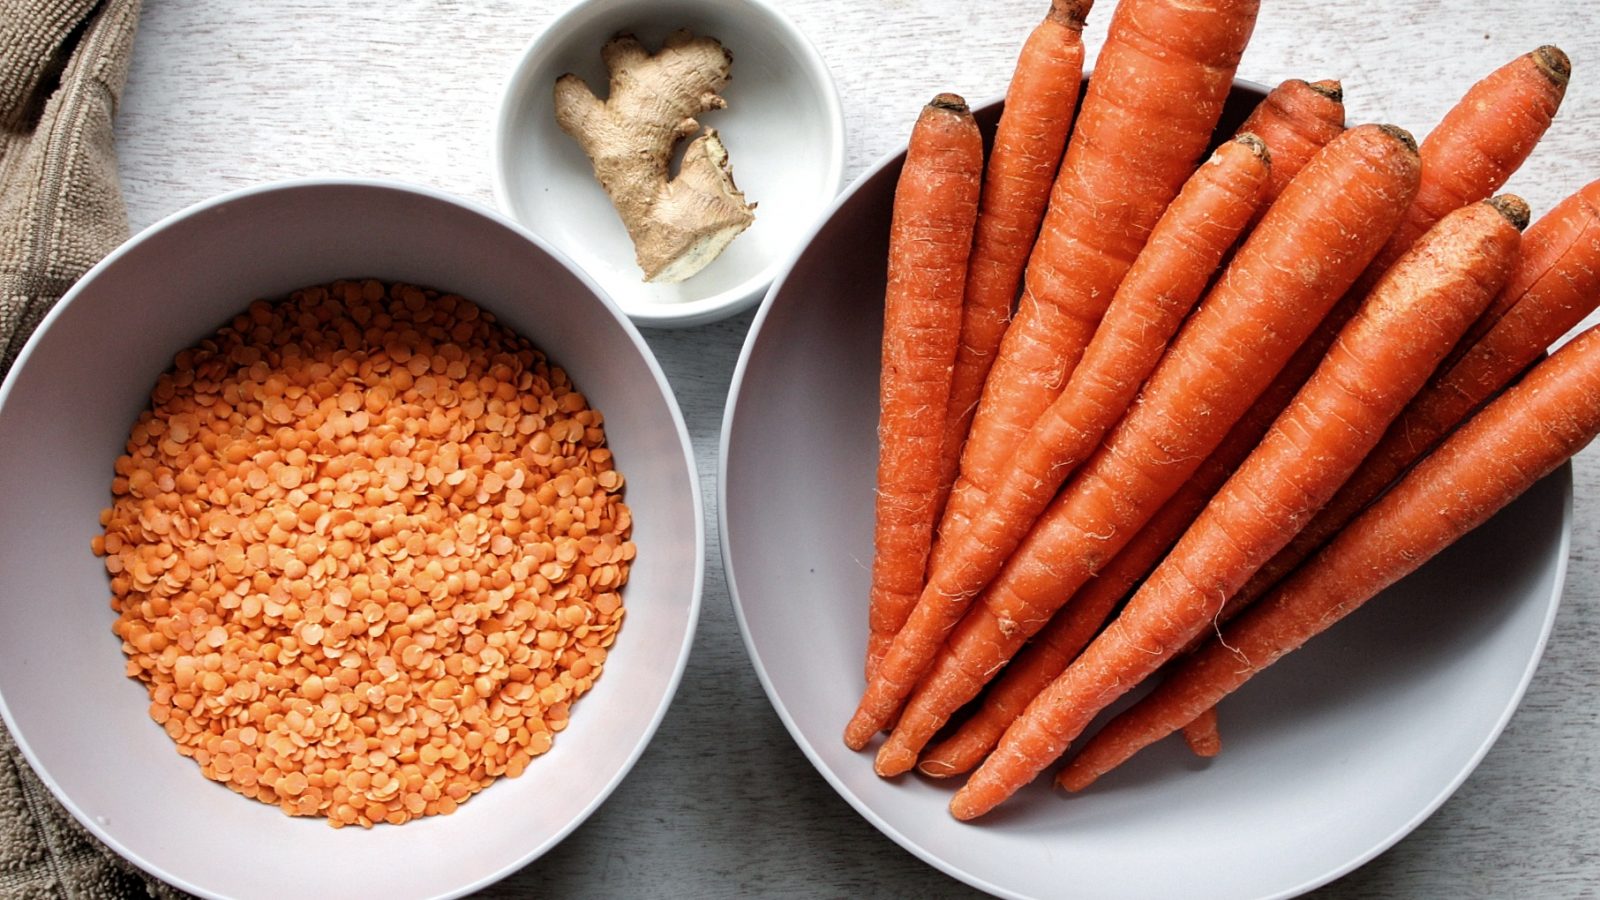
[224,95]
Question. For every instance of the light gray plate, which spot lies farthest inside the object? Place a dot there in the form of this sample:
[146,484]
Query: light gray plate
[1328,759]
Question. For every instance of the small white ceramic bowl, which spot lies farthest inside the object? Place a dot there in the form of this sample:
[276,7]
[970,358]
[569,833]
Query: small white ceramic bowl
[1329,758]
[783,129]
[65,411]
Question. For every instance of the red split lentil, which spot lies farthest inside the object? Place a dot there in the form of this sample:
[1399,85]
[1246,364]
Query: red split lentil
[366,547]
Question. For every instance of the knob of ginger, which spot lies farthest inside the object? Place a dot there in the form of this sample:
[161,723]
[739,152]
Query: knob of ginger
[678,225]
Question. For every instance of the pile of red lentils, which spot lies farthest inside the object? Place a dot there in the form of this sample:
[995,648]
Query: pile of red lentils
[366,546]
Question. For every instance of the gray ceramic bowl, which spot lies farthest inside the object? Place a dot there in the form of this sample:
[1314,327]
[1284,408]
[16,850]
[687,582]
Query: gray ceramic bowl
[783,127]
[65,411]
[1329,758]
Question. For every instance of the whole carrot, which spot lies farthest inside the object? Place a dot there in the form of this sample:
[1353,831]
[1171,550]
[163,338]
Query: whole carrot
[1028,143]
[1305,252]
[930,236]
[1556,284]
[1415,315]
[1496,456]
[1157,92]
[1296,120]
[1184,251]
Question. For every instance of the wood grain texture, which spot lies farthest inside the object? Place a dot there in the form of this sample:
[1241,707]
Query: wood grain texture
[723,804]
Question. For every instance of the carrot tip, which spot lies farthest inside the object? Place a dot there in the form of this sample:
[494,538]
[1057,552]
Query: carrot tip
[1073,780]
[962,809]
[1330,88]
[1401,135]
[1256,145]
[1514,208]
[1553,63]
[953,102]
[859,732]
[893,761]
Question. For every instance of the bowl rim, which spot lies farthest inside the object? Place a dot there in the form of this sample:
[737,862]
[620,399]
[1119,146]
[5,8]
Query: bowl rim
[752,290]
[864,809]
[606,302]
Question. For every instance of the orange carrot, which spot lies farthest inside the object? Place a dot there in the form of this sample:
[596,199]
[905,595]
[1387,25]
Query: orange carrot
[930,236]
[1157,92]
[1308,248]
[1028,143]
[1501,452]
[1414,316]
[1075,624]
[1183,253]
[1296,120]
[1556,284]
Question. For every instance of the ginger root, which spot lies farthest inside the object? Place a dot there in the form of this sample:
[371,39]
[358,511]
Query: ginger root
[678,225]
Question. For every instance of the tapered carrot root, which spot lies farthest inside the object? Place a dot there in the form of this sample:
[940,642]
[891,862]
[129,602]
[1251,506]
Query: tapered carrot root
[930,236]
[1076,623]
[1556,284]
[1415,315]
[1157,92]
[1501,452]
[1305,253]
[1202,735]
[1184,251]
[1296,120]
[1028,144]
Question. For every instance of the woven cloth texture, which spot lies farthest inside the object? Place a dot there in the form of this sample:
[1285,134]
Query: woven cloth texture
[62,68]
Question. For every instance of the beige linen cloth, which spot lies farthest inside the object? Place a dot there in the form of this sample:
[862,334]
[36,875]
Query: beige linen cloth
[62,67]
